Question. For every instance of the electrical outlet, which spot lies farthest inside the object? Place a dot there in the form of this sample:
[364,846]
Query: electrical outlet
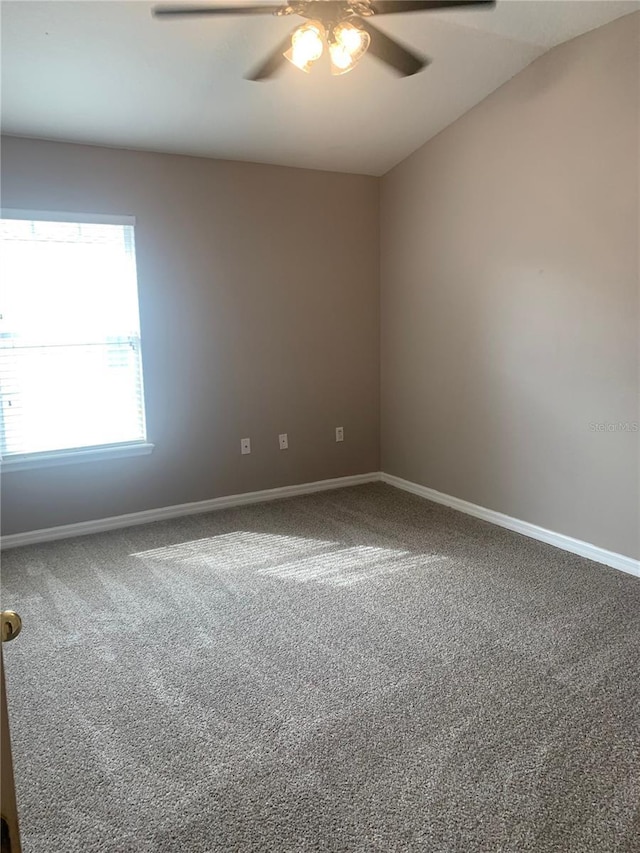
[339,433]
[245,445]
[284,441]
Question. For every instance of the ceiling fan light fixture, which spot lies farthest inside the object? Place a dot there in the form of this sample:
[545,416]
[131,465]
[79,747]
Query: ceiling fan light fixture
[347,46]
[342,26]
[307,45]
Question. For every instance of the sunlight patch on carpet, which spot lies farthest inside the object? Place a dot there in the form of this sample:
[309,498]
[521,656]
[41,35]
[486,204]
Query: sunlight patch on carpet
[288,557]
[349,565]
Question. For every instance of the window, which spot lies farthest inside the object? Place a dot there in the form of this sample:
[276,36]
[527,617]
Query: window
[70,362]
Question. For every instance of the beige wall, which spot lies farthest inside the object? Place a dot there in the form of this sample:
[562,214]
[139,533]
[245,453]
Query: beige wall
[509,279]
[509,305]
[259,312]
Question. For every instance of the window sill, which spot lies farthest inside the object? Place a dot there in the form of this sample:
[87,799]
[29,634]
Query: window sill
[70,457]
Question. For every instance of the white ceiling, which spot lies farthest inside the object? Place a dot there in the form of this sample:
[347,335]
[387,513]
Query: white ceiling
[108,73]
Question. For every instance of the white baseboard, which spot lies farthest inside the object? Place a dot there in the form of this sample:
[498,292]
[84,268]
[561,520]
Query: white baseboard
[559,540]
[84,528]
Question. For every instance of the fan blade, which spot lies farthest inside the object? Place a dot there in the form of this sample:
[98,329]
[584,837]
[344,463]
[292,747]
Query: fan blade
[188,11]
[390,7]
[392,52]
[272,63]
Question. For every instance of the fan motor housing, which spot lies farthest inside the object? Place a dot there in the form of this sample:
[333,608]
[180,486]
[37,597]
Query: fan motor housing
[321,10]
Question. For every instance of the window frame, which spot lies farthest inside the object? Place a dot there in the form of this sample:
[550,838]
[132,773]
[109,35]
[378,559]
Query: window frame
[85,453]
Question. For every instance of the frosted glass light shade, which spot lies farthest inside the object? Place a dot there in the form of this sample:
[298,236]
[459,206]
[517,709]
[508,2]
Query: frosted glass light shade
[307,45]
[348,45]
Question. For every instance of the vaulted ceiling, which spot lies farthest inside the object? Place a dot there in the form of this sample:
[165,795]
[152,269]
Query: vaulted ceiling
[108,73]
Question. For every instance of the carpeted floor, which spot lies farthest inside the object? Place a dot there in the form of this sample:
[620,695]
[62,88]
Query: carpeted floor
[353,671]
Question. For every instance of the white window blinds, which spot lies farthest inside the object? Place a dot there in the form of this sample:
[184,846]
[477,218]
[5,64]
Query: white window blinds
[70,364]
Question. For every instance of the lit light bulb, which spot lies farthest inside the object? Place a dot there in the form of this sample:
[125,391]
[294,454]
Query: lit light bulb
[306,46]
[348,45]
[341,60]
[353,39]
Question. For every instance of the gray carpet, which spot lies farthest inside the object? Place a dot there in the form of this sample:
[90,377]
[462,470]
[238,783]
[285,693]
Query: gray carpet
[355,671]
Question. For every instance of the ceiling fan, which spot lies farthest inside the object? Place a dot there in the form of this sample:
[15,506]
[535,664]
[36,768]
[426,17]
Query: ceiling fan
[344,26]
